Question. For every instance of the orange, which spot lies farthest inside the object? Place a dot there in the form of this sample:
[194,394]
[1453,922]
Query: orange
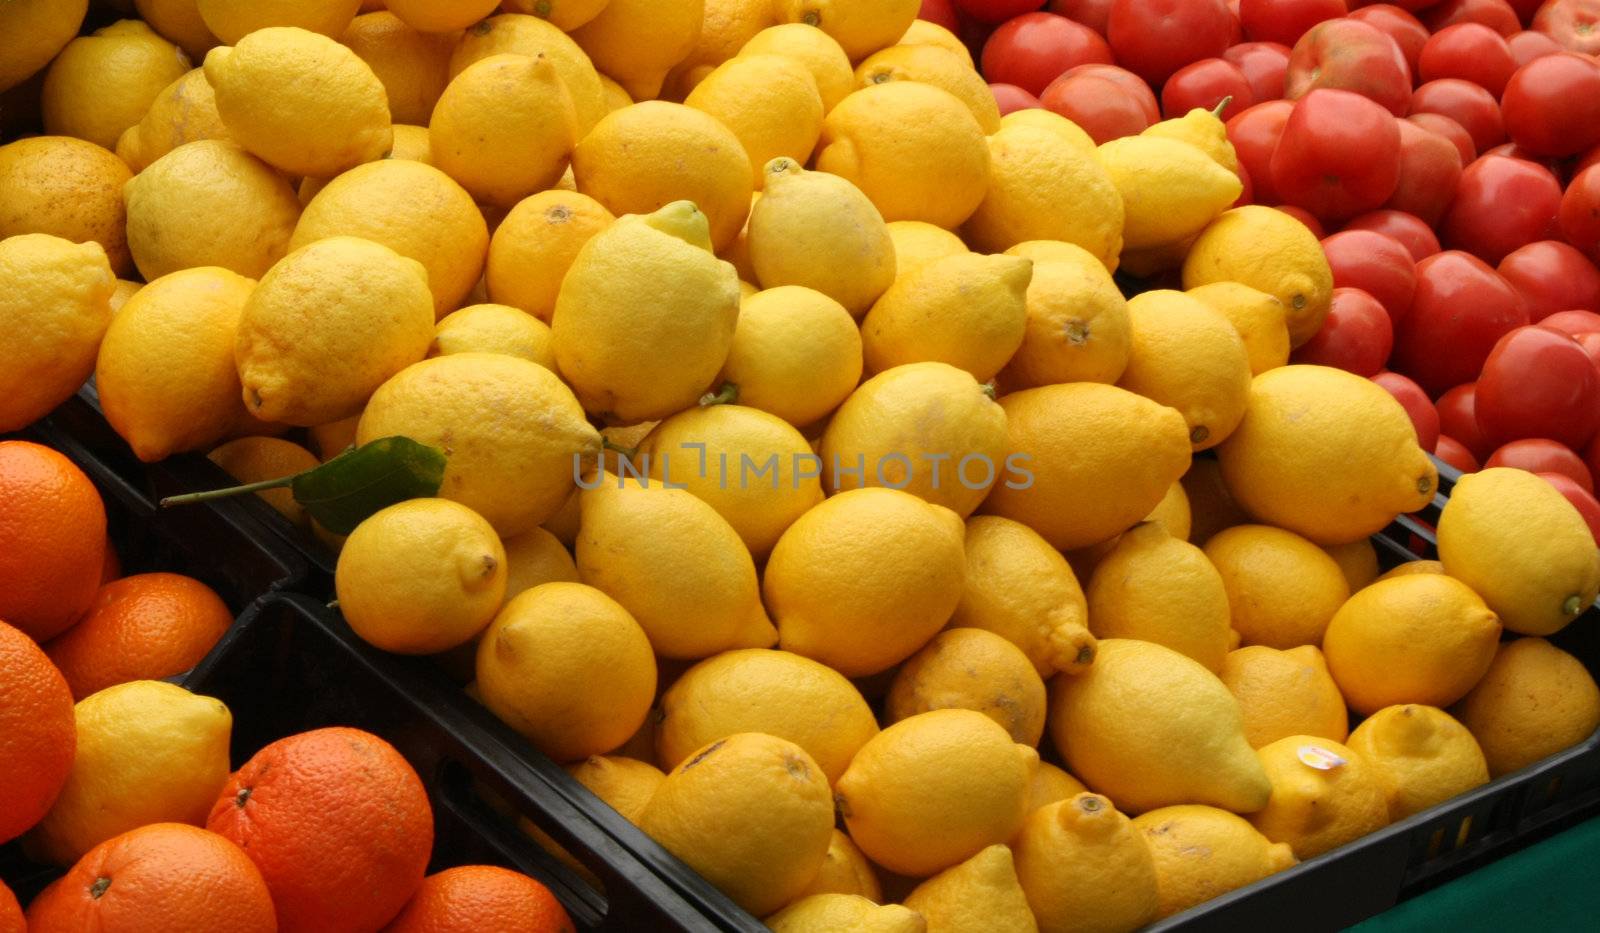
[338,823]
[144,627]
[482,897]
[111,567]
[38,733]
[52,539]
[11,920]
[156,879]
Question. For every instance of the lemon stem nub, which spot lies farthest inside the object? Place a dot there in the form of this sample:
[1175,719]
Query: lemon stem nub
[1572,606]
[99,887]
[1199,434]
[1089,804]
[1217,110]
[727,395]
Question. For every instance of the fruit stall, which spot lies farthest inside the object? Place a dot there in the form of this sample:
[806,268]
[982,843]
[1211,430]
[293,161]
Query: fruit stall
[820,466]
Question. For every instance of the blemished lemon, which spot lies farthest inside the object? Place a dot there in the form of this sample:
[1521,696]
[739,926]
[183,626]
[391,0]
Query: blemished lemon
[827,911]
[1282,588]
[1161,589]
[1087,461]
[1326,454]
[1358,561]
[1077,326]
[439,16]
[1419,639]
[845,871]
[914,149]
[568,668]
[772,692]
[232,20]
[1257,316]
[1044,187]
[413,66]
[184,112]
[865,579]
[535,245]
[1535,700]
[924,32]
[255,459]
[148,752]
[927,428]
[819,52]
[1189,357]
[968,310]
[645,316]
[796,353]
[1420,755]
[1152,728]
[165,374]
[1521,546]
[1171,190]
[504,128]
[1271,252]
[57,306]
[980,894]
[1172,513]
[103,83]
[769,102]
[511,430]
[674,563]
[32,32]
[536,557]
[562,14]
[492,328]
[861,27]
[421,576]
[725,27]
[515,34]
[939,67]
[178,21]
[1284,693]
[1202,852]
[636,42]
[1022,589]
[1083,865]
[1211,505]
[818,230]
[969,668]
[69,189]
[931,791]
[751,813]
[300,101]
[1323,795]
[916,244]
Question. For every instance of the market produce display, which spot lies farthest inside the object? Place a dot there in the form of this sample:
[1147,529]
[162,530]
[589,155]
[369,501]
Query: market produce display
[917,463]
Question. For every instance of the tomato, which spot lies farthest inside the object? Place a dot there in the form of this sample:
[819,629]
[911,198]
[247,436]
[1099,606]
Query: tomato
[1356,337]
[1449,129]
[1430,172]
[1538,382]
[1469,51]
[1528,45]
[1456,454]
[940,12]
[1313,165]
[1411,231]
[1037,48]
[1099,105]
[1462,306]
[1542,455]
[1352,56]
[1501,205]
[1285,21]
[1406,30]
[1264,65]
[1590,343]
[1377,264]
[1556,167]
[996,11]
[1255,134]
[1574,24]
[1574,323]
[1496,14]
[1424,417]
[1552,105]
[1552,276]
[1525,9]
[1591,458]
[1011,98]
[1458,418]
[1304,216]
[1582,499]
[1580,211]
[1204,85]
[1091,13]
[1134,85]
[1154,38]
[1467,104]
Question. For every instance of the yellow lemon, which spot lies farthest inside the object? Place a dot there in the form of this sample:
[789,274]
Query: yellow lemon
[1202,852]
[504,128]
[969,668]
[1419,639]
[124,290]
[1043,187]
[536,557]
[178,21]
[67,188]
[967,310]
[1161,589]
[1285,693]
[820,231]
[562,14]
[331,439]
[232,20]
[568,668]
[940,67]
[916,244]
[32,32]
[1257,316]
[1152,728]
[255,459]
[828,911]
[924,32]
[491,328]
[411,144]
[861,27]
[1184,355]
[1083,866]
[625,784]
[535,245]
[1077,320]
[1535,700]
[1358,561]
[796,353]
[845,871]
[1271,252]
[103,83]
[1421,755]
[56,302]
[1051,784]
[1323,795]
[980,895]
[1170,189]
[819,52]
[1038,118]
[725,27]
[438,16]
[613,96]
[413,66]
[1412,566]
[515,34]
[184,112]
[1211,505]
[1203,129]
[769,102]
[637,42]
[1283,589]
[1172,513]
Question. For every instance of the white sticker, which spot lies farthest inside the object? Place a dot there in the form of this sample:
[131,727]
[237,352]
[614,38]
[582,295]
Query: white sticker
[1315,756]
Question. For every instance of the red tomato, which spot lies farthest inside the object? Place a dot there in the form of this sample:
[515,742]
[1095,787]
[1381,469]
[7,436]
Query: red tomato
[1264,65]
[1037,48]
[1356,337]
[1424,417]
[1255,134]
[1377,264]
[1456,454]
[1496,14]
[1458,418]
[1099,105]
[1011,98]
[1591,345]
[1314,165]
[1285,21]
[1528,45]
[996,11]
[1574,24]
[1552,105]
[1574,323]
[1501,205]
[1552,276]
[1461,308]
[1556,167]
[1091,13]
[1525,8]
[1538,382]
[1304,216]
[1469,51]
[1352,56]
[1154,38]
[1411,231]
[1128,81]
[1591,458]
[942,12]
[1580,211]
[1449,129]
[1582,499]
[1467,104]
[1205,84]
[1406,30]
[1430,172]
[1542,455]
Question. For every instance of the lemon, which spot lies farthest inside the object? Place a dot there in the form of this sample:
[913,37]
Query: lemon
[769,102]
[939,67]
[411,144]
[535,245]
[55,297]
[914,149]
[515,34]
[1171,189]
[256,459]
[492,328]
[1152,728]
[796,353]
[1271,252]
[1202,852]
[826,912]
[1084,866]
[1068,131]
[184,112]
[969,668]
[924,32]
[124,290]
[301,101]
[637,42]
[1051,784]
[819,52]
[845,871]
[568,668]
[1282,588]
[1323,795]
[232,20]
[1412,567]
[1257,316]
[437,16]
[103,83]
[968,310]
[32,32]
[1535,700]
[413,66]
[916,244]
[980,895]
[1358,561]
[1420,755]
[178,21]
[645,317]
[861,27]
[624,784]
[751,813]
[148,752]
[1161,589]
[511,430]
[504,128]
[613,96]
[865,579]
[1087,461]
[536,557]
[725,27]
[1419,639]
[562,14]
[1173,513]
[1044,187]
[1077,326]
[1211,505]
[1284,693]
[1325,454]
[1185,355]
[819,231]
[67,188]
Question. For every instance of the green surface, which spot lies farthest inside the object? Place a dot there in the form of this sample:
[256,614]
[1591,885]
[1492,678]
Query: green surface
[1550,886]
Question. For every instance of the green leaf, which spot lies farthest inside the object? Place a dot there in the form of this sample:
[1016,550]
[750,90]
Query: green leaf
[343,492]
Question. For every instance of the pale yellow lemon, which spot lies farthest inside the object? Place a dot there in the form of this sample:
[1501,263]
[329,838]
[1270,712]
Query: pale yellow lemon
[845,871]
[1055,123]
[796,353]
[968,310]
[926,32]
[1164,590]
[1256,315]
[940,67]
[917,243]
[1271,252]
[1187,356]
[819,52]
[1043,187]
[770,103]
[725,27]
[185,111]
[826,911]
[103,83]
[1171,189]
[492,328]
[980,895]
[1203,129]
[57,306]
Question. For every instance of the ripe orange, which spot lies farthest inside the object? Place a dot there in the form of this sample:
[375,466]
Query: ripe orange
[338,823]
[10,912]
[156,879]
[111,567]
[52,539]
[38,733]
[144,627]
[482,897]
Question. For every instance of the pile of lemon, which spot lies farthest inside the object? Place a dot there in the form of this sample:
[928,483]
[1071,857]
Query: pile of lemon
[751,326]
